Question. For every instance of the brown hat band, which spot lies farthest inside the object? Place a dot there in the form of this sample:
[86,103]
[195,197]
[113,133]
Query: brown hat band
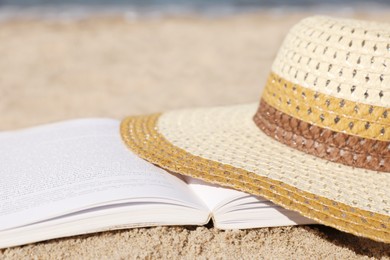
[321,142]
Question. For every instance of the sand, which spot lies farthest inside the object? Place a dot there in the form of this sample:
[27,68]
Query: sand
[111,67]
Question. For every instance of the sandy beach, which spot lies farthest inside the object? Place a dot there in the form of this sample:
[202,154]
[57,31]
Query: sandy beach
[112,67]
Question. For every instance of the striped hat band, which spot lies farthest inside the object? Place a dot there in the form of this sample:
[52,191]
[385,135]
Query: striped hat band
[336,129]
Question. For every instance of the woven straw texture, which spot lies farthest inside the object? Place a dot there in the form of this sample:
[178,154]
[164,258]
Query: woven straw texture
[341,115]
[330,73]
[322,142]
[224,146]
[229,136]
[347,59]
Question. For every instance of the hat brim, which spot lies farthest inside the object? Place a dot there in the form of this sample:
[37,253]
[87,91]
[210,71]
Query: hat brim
[223,145]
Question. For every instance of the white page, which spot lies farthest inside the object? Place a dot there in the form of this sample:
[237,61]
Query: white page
[212,195]
[236,209]
[250,212]
[56,169]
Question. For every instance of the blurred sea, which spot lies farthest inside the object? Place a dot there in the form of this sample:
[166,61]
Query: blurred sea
[132,9]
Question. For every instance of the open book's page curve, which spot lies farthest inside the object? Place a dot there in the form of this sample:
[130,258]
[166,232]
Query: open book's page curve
[56,169]
[232,209]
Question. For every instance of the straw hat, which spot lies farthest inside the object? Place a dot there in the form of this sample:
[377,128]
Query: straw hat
[318,142]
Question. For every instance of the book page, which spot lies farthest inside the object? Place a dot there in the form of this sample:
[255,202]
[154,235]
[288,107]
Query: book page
[61,168]
[232,209]
[212,195]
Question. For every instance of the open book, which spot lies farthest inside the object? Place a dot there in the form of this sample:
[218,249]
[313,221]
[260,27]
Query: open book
[78,177]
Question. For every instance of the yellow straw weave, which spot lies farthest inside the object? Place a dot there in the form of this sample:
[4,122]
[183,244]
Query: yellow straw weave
[340,115]
[141,135]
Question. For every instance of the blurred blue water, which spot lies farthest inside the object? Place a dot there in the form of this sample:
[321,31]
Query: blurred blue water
[199,3]
[194,3]
[135,8]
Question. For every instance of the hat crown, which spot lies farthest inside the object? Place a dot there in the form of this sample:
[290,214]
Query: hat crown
[329,92]
[346,59]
